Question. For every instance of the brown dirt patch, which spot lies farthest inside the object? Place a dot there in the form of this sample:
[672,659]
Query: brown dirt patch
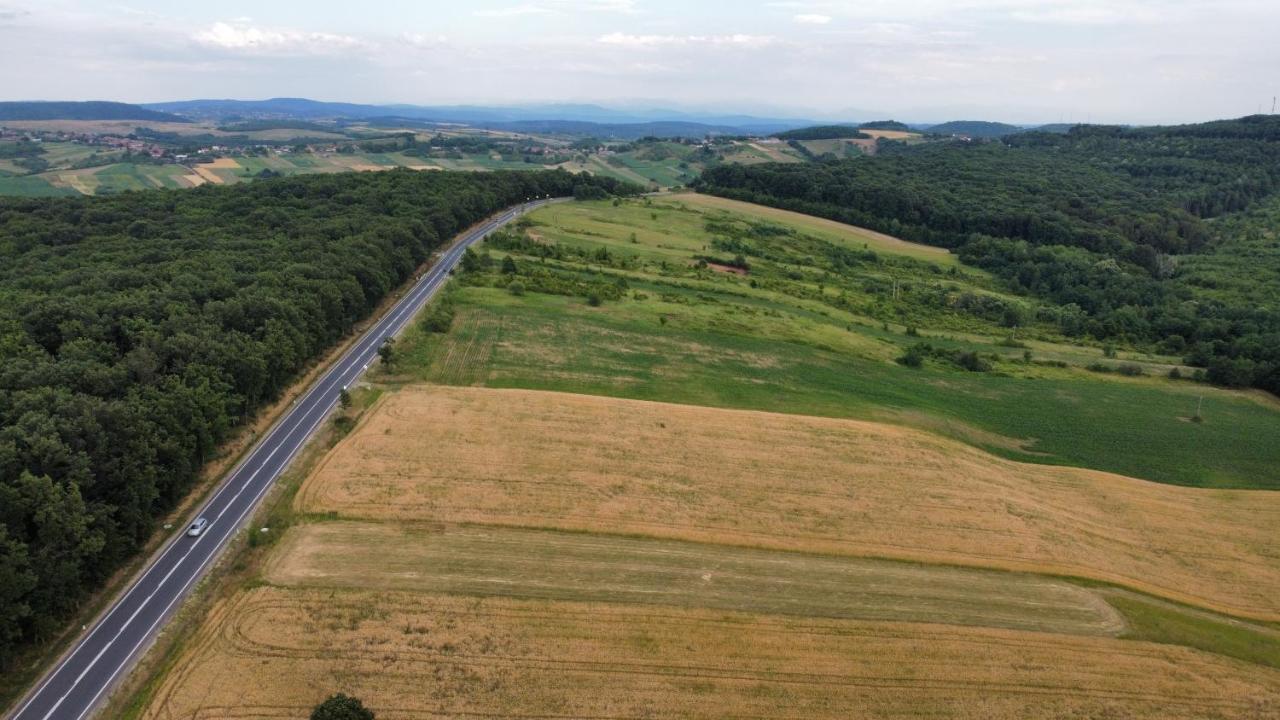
[727,269]
[552,460]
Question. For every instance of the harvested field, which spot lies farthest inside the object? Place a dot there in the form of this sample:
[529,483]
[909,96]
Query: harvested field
[890,134]
[222,163]
[539,564]
[207,175]
[275,652]
[577,462]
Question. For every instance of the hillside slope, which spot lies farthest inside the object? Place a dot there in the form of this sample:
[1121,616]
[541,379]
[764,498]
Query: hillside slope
[91,110]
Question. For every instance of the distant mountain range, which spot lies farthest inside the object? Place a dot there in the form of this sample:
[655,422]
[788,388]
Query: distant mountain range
[563,118]
[588,117]
[92,110]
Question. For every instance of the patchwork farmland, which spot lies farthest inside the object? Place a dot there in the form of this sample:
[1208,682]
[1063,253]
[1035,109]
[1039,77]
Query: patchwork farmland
[469,551]
[618,475]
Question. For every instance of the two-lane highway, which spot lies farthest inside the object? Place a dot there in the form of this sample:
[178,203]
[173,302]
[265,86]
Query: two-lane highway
[111,647]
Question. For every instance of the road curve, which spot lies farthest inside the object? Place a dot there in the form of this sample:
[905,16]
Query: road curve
[108,650]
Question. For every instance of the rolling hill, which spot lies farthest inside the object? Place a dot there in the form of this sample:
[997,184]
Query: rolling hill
[974,129]
[92,110]
[487,116]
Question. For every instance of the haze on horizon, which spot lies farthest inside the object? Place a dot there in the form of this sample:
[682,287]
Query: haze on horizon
[1130,61]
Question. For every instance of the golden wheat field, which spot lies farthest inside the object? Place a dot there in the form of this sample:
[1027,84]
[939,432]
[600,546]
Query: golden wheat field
[274,653]
[575,462]
[551,565]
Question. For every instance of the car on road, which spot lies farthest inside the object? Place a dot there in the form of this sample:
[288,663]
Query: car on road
[197,527]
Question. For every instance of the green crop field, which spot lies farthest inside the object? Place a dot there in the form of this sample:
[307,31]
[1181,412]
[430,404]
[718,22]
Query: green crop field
[805,339]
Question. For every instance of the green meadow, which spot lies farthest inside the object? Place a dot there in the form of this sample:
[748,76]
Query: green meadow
[614,300]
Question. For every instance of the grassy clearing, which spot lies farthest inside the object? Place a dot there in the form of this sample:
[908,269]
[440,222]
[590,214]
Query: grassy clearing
[1157,621]
[31,186]
[598,464]
[719,355]
[812,340]
[693,228]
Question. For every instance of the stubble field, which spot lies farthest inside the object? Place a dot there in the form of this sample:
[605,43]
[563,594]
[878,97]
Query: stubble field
[470,552]
[272,653]
[585,463]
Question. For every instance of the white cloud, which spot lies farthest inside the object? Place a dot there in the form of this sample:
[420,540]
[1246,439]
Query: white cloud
[423,40]
[739,39]
[918,59]
[514,11]
[11,14]
[1080,15]
[561,7]
[239,35]
[812,19]
[625,7]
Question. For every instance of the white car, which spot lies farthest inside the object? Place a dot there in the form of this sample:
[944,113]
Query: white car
[197,527]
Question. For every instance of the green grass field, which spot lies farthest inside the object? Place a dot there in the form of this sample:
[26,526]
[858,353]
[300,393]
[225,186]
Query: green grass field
[684,334]
[31,186]
[1164,622]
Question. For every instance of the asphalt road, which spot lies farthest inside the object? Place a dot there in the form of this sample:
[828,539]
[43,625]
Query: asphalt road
[109,649]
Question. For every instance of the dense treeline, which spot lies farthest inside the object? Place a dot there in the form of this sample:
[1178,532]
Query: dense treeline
[1093,219]
[885,125]
[20,149]
[137,331]
[974,129]
[824,132]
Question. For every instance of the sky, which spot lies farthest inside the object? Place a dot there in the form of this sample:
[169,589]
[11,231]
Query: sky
[1124,61]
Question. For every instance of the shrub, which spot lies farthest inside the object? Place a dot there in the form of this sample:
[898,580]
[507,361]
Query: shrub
[594,300]
[913,357]
[439,319]
[341,707]
[387,352]
[516,288]
[343,424]
[1130,370]
[972,361]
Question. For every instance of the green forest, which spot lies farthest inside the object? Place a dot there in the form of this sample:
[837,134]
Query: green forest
[1098,221]
[137,331]
[823,132]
